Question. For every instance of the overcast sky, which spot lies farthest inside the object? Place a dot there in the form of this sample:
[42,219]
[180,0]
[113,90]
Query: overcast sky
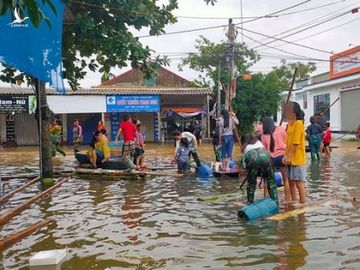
[307,12]
[311,12]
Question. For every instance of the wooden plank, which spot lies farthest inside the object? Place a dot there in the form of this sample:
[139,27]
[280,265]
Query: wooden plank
[123,173]
[298,211]
[10,177]
[12,193]
[18,209]
[12,239]
[241,194]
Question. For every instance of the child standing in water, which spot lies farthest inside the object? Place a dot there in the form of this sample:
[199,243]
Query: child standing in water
[327,140]
[257,162]
[77,135]
[314,132]
[139,148]
[216,141]
[295,157]
[182,156]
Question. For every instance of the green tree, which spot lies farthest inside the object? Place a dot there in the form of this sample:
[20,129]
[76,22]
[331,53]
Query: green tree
[255,98]
[97,38]
[208,56]
[285,71]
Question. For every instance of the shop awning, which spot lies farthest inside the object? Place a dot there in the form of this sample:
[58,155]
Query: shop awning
[186,109]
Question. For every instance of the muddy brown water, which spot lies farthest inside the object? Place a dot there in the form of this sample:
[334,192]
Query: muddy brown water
[160,224]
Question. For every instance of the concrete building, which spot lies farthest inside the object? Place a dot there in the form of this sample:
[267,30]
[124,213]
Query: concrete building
[163,103]
[341,85]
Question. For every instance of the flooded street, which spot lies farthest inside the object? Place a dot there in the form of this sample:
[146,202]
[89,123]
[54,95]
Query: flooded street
[160,224]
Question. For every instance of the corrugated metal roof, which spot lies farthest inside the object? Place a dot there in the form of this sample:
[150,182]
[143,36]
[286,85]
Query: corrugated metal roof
[114,91]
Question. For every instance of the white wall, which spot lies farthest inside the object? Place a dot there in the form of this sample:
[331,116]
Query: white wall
[2,127]
[335,110]
[332,87]
[77,104]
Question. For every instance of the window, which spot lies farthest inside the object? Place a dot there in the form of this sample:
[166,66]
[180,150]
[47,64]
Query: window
[302,97]
[305,100]
[321,103]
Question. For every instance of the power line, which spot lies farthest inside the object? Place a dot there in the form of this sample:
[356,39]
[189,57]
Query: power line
[122,10]
[263,16]
[324,17]
[306,28]
[223,25]
[321,32]
[283,40]
[281,50]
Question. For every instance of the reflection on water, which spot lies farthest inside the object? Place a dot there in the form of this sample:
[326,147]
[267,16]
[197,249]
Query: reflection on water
[158,223]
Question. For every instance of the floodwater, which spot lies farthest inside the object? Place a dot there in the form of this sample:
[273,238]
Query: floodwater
[160,224]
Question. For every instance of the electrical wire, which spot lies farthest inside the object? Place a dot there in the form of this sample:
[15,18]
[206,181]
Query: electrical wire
[264,16]
[223,25]
[283,40]
[308,23]
[306,28]
[319,33]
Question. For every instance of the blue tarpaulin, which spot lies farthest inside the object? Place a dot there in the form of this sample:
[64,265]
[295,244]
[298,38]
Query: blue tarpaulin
[34,51]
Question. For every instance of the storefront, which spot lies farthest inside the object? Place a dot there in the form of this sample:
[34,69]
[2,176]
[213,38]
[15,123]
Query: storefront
[17,121]
[89,106]
[143,108]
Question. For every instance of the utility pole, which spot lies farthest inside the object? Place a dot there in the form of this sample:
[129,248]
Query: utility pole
[242,21]
[231,35]
[219,91]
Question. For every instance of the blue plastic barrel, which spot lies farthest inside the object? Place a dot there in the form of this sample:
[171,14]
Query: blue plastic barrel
[262,208]
[278,178]
[204,171]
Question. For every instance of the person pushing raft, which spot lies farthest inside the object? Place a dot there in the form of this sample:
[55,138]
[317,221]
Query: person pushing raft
[257,162]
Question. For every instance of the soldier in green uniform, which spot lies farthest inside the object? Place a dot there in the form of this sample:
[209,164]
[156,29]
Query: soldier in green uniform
[257,162]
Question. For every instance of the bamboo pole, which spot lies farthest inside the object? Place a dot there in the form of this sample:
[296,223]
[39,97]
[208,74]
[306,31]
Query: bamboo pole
[289,95]
[12,239]
[10,177]
[12,193]
[328,108]
[18,209]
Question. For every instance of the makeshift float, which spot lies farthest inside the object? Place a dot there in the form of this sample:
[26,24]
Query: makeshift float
[114,163]
[231,196]
[115,175]
[234,171]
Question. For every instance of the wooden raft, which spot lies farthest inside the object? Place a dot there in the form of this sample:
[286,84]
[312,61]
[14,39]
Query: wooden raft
[122,174]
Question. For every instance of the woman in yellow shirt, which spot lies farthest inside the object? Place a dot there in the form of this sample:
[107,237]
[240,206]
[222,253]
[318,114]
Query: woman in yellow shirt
[295,155]
[101,150]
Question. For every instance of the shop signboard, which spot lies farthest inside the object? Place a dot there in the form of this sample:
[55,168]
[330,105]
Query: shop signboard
[345,63]
[132,104]
[14,104]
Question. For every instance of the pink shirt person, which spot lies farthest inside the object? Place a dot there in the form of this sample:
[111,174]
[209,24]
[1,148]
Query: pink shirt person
[279,136]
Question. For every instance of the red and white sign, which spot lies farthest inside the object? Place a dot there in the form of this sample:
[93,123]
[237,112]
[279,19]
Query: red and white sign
[345,63]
